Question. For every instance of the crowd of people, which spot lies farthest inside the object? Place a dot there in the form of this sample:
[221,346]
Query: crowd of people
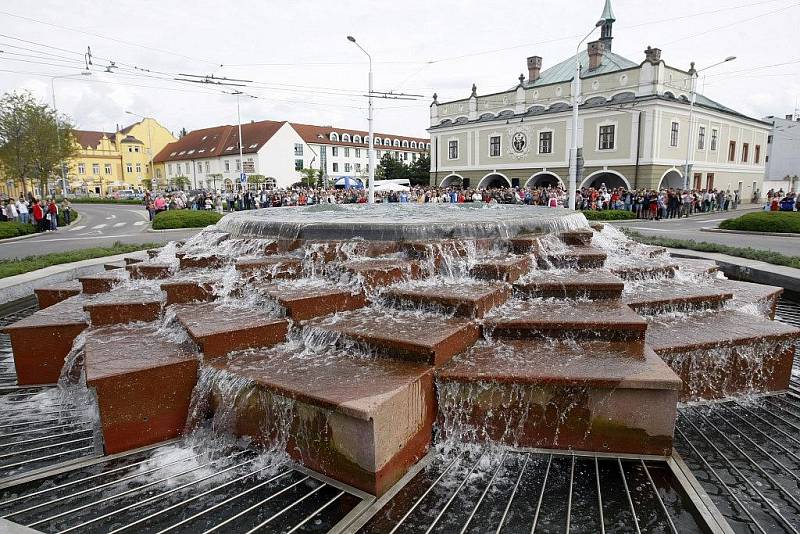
[644,203]
[41,213]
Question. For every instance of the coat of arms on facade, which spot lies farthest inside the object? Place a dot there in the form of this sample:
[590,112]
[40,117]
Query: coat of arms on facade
[519,141]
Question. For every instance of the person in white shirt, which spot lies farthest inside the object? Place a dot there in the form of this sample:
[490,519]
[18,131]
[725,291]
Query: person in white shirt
[11,211]
[22,209]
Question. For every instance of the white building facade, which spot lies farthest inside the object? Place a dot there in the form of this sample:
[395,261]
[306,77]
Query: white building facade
[783,154]
[633,129]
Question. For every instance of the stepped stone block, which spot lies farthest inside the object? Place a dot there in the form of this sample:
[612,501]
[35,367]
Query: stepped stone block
[383,272]
[131,260]
[125,306]
[460,299]
[53,294]
[362,421]
[186,291]
[526,243]
[327,251]
[153,252]
[695,266]
[102,282]
[589,284]
[764,298]
[402,335]
[609,320]
[41,341]
[143,385]
[508,269]
[303,303]
[271,267]
[446,247]
[589,395]
[657,296]
[645,268]
[149,270]
[576,257]
[577,238]
[220,329]
[113,266]
[723,353]
[200,262]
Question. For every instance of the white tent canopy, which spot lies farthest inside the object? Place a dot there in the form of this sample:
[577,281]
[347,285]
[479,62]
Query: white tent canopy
[385,186]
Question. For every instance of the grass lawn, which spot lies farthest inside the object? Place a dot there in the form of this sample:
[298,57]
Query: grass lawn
[765,221]
[16,229]
[766,256]
[33,263]
[167,220]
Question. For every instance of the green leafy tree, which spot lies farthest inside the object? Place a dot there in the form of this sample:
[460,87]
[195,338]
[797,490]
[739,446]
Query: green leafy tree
[390,168]
[180,182]
[310,177]
[147,184]
[256,180]
[419,172]
[34,141]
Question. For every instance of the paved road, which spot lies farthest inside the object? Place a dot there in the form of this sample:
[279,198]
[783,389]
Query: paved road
[100,225]
[690,229]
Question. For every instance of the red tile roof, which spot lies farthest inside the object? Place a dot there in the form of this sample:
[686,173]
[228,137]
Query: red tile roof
[89,138]
[219,141]
[321,134]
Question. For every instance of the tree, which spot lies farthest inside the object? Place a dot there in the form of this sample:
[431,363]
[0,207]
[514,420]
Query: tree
[256,179]
[310,177]
[180,182]
[147,184]
[419,172]
[390,168]
[34,141]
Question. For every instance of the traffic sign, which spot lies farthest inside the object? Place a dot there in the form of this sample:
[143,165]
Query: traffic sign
[243,178]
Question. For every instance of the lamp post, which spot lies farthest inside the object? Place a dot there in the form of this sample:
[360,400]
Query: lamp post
[371,151]
[576,95]
[242,183]
[85,72]
[687,167]
[149,146]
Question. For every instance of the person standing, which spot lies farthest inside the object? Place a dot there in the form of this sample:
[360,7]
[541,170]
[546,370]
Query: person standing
[38,216]
[66,207]
[22,209]
[11,211]
[52,211]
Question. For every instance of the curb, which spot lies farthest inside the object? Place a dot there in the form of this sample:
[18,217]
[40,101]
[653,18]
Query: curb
[150,230]
[22,285]
[748,270]
[748,232]
[677,219]
[37,234]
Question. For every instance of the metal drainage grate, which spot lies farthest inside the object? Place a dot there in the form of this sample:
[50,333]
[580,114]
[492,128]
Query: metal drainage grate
[181,487]
[39,429]
[11,314]
[517,491]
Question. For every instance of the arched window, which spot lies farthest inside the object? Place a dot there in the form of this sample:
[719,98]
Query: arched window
[396,142]
[427,146]
[378,141]
[366,140]
[356,138]
[405,143]
[345,138]
[334,136]
[413,144]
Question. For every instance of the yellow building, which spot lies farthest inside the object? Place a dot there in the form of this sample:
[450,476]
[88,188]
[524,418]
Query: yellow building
[109,161]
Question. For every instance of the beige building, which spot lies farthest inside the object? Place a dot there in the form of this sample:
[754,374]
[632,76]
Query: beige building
[633,127]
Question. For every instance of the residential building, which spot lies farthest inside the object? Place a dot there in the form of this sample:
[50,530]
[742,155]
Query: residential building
[633,128]
[783,154]
[109,161]
[276,152]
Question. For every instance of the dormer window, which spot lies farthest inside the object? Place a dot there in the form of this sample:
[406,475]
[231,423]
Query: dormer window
[356,138]
[405,144]
[346,138]
[397,142]
[334,136]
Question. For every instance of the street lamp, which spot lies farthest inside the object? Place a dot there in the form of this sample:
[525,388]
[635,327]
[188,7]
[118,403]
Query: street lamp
[371,151]
[149,146]
[576,95]
[687,167]
[85,72]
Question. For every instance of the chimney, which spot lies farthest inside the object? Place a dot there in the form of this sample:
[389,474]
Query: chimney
[653,55]
[534,68]
[595,49]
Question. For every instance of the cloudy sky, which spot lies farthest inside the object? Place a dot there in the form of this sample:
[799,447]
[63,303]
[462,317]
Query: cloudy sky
[302,68]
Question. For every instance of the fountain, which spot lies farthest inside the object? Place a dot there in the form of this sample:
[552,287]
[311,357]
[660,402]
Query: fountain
[354,338]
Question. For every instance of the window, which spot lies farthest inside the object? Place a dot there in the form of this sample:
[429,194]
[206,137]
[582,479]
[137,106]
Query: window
[701,138]
[81,168]
[130,149]
[138,167]
[698,181]
[396,142]
[713,139]
[227,165]
[95,168]
[757,155]
[413,156]
[158,173]
[130,167]
[745,152]
[356,138]
[298,164]
[347,152]
[334,136]
[494,146]
[378,154]
[732,151]
[207,167]
[405,156]
[179,168]
[769,139]
[136,149]
[452,150]
[169,169]
[673,134]
[346,138]
[358,167]
[199,167]
[545,142]
[710,181]
[108,168]
[377,141]
[334,151]
[413,144]
[346,167]
[358,152]
[396,154]
[298,149]
[335,167]
[606,137]
[238,165]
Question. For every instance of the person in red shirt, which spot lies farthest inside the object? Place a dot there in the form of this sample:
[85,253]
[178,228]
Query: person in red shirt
[52,210]
[38,216]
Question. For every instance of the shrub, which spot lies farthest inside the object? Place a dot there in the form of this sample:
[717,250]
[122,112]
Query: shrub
[61,221]
[765,221]
[184,219]
[15,229]
[609,215]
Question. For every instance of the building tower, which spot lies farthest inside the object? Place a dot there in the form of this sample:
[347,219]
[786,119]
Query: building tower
[608,21]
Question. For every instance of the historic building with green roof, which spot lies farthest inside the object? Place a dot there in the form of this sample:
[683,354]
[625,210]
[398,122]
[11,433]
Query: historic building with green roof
[633,127]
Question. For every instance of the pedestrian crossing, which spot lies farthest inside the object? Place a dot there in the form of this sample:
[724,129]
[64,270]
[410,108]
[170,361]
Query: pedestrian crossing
[106,226]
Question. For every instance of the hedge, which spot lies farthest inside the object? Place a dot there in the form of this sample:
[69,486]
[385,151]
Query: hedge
[609,215]
[765,221]
[184,219]
[12,267]
[15,229]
